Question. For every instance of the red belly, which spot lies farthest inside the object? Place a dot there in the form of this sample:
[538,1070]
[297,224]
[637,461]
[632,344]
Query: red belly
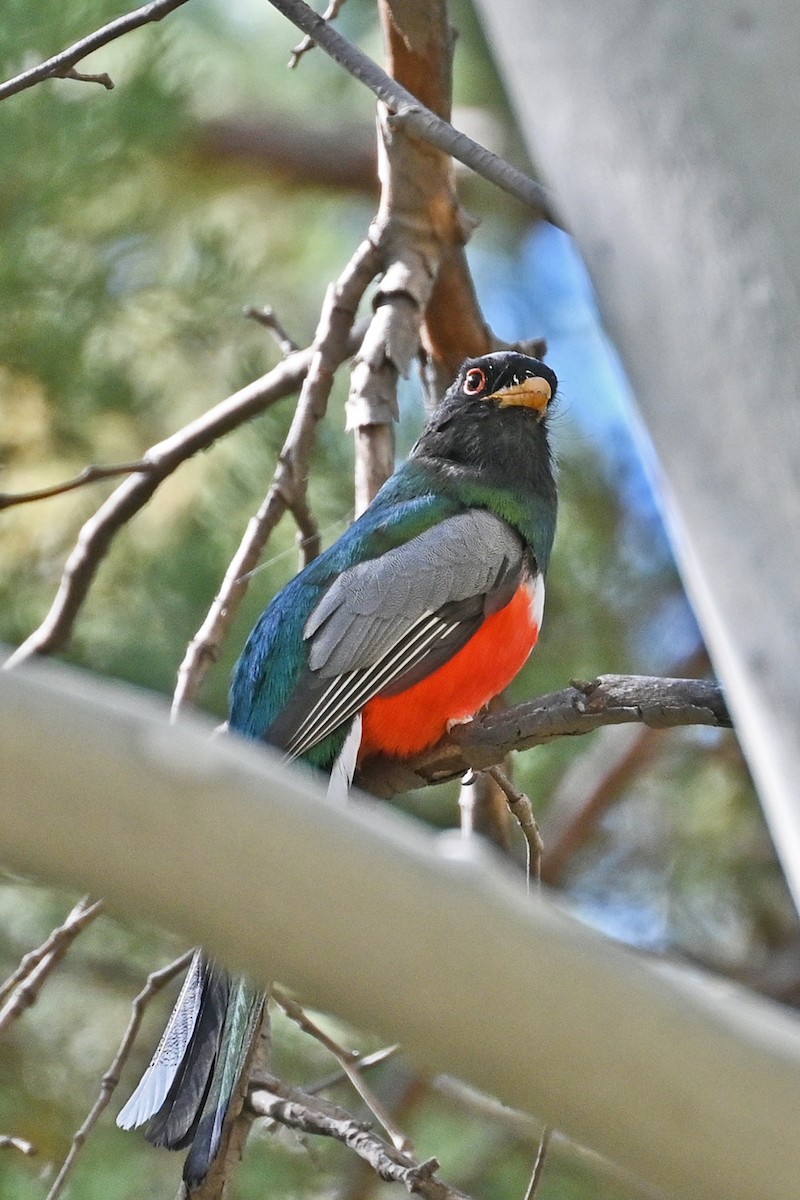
[403,725]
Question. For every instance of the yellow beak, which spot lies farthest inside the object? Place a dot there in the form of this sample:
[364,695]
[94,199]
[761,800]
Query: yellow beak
[533,392]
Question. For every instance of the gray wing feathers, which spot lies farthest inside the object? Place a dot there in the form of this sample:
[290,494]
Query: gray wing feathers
[371,606]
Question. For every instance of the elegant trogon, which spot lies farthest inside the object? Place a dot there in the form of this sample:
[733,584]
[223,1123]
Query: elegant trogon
[425,609]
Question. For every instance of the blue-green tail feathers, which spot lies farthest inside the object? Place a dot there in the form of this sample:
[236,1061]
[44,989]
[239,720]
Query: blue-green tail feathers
[185,1093]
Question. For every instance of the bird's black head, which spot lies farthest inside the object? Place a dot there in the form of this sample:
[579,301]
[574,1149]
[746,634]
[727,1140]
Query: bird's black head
[494,415]
[487,444]
[507,378]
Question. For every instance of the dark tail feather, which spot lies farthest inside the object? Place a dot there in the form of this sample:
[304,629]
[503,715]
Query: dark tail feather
[175,1122]
[197,1069]
[242,1022]
[171,1051]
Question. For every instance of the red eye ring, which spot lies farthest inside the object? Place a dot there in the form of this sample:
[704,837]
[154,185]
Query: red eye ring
[474,381]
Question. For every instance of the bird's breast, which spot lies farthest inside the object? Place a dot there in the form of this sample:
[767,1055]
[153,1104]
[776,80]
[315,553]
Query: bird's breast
[410,721]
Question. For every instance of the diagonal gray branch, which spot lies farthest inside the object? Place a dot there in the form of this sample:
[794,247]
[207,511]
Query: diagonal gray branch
[406,110]
[414,116]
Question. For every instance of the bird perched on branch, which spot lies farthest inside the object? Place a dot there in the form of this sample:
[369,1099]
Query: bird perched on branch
[422,612]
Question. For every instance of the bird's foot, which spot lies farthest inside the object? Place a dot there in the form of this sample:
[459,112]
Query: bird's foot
[454,721]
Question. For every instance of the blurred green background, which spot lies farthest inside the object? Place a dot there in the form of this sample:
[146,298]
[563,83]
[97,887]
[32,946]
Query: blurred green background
[136,224]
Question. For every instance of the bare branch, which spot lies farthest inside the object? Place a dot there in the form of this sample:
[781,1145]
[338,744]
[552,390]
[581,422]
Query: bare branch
[91,474]
[522,809]
[155,982]
[365,1063]
[22,989]
[15,1143]
[311,1114]
[61,64]
[103,78]
[349,1061]
[267,317]
[580,708]
[334,341]
[99,531]
[419,219]
[408,113]
[374,462]
[330,14]
[538,1165]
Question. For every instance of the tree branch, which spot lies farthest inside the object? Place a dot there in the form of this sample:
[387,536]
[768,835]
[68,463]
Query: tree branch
[90,474]
[60,66]
[162,459]
[15,1143]
[303,47]
[522,810]
[580,708]
[21,989]
[349,1061]
[310,1114]
[412,116]
[155,982]
[335,339]
[281,840]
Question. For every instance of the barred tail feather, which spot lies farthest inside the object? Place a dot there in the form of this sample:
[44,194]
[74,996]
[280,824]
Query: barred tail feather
[174,1124]
[157,1080]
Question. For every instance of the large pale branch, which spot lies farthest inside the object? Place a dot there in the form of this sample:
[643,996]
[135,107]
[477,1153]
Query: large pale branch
[119,789]
[578,709]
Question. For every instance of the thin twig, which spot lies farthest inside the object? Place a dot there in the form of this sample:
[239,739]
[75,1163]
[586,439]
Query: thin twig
[103,78]
[296,1109]
[538,1166]
[522,810]
[155,982]
[91,474]
[97,534]
[366,1062]
[266,316]
[581,708]
[15,1143]
[81,915]
[330,14]
[599,776]
[61,64]
[334,341]
[22,989]
[350,1063]
[413,116]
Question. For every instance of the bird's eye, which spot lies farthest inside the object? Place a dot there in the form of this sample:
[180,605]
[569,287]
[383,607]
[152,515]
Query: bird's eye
[474,381]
